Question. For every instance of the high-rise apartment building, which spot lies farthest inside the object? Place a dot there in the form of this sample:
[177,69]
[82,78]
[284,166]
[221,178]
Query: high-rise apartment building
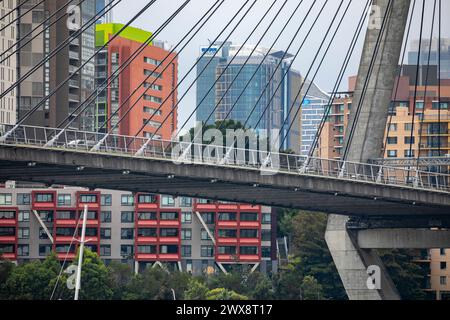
[431,137]
[274,111]
[8,69]
[159,86]
[66,100]
[434,54]
[99,6]
[140,229]
[312,111]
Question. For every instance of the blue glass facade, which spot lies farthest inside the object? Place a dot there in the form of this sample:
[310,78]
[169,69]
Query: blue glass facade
[445,55]
[241,103]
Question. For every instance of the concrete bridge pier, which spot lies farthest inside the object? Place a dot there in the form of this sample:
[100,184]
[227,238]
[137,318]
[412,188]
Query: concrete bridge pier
[352,263]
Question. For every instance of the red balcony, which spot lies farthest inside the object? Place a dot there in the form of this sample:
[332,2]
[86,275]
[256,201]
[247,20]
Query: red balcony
[146,240]
[63,239]
[169,240]
[8,239]
[9,256]
[147,223]
[65,256]
[249,258]
[169,257]
[8,217]
[227,224]
[227,241]
[66,218]
[146,257]
[43,200]
[250,241]
[146,202]
[89,199]
[169,223]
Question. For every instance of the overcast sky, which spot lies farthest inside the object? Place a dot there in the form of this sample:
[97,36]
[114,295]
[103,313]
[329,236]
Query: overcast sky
[327,75]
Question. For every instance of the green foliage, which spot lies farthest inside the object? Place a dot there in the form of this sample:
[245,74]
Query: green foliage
[311,289]
[120,275]
[32,281]
[6,269]
[197,290]
[406,275]
[224,294]
[308,243]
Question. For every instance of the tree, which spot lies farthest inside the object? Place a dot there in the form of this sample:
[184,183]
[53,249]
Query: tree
[311,289]
[307,235]
[407,276]
[197,290]
[96,281]
[120,275]
[6,268]
[224,294]
[32,281]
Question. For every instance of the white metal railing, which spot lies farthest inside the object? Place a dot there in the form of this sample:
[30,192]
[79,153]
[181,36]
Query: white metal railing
[221,156]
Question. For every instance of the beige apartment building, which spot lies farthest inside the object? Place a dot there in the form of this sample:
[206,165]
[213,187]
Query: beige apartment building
[431,137]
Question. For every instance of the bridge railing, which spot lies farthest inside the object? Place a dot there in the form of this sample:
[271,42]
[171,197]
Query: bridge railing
[187,152]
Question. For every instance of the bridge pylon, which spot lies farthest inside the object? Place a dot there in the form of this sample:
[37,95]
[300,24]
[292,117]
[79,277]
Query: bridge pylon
[368,118]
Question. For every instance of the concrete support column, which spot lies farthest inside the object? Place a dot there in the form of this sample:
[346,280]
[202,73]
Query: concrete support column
[353,262]
[368,138]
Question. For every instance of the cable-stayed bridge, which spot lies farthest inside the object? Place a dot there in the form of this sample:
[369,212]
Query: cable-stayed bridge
[390,205]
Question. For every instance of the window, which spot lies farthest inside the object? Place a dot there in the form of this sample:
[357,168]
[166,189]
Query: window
[126,250]
[127,200]
[46,216]
[152,111]
[409,140]
[205,235]
[249,233]
[249,216]
[185,202]
[227,233]
[152,61]
[208,217]
[392,127]
[443,265]
[207,251]
[7,215]
[392,140]
[186,251]
[443,281]
[168,249]
[105,250]
[64,200]
[106,216]
[229,250]
[168,232]
[24,233]
[186,217]
[266,235]
[266,218]
[147,249]
[64,248]
[147,232]
[65,232]
[23,250]
[7,248]
[266,252]
[66,215]
[127,234]
[42,234]
[147,216]
[152,74]
[91,215]
[43,197]
[408,126]
[127,216]
[23,199]
[169,216]
[410,153]
[88,198]
[106,200]
[105,233]
[153,86]
[443,252]
[249,250]
[227,216]
[7,232]
[419,105]
[146,198]
[392,153]
[24,216]
[167,201]
[45,250]
[5,199]
[186,234]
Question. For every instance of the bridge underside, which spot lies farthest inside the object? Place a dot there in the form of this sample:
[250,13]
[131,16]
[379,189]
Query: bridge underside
[344,197]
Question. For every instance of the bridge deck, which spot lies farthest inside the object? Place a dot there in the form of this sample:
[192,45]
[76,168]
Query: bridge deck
[228,183]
